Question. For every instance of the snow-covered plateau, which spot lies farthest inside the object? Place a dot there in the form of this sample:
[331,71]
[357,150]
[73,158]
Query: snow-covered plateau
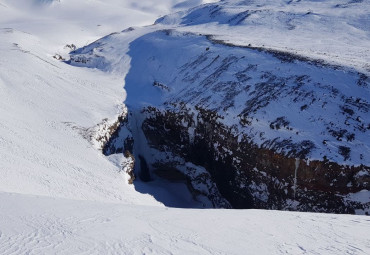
[200,104]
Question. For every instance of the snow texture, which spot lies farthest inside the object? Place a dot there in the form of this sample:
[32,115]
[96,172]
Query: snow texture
[41,225]
[59,194]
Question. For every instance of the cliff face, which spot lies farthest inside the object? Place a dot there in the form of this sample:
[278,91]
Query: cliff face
[249,176]
[244,127]
[238,170]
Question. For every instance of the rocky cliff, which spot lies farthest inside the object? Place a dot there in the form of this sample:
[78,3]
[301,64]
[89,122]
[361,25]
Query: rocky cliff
[243,126]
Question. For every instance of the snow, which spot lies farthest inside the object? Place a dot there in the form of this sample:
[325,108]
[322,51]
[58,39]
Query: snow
[48,108]
[334,31]
[42,225]
[59,194]
[44,105]
[79,22]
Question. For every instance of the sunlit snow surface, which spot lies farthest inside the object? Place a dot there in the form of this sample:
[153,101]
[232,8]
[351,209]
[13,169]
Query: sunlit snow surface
[47,110]
[37,225]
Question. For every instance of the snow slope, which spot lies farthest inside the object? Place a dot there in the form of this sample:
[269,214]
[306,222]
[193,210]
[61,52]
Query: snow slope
[48,108]
[39,225]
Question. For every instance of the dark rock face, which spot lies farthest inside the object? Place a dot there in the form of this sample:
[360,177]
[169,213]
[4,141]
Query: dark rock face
[144,169]
[252,177]
[246,175]
[130,166]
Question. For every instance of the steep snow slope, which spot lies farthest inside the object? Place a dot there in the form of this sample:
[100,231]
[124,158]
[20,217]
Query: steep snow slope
[51,112]
[46,110]
[37,225]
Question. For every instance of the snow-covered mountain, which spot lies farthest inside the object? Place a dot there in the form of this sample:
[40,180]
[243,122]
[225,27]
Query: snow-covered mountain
[269,116]
[211,100]
[336,32]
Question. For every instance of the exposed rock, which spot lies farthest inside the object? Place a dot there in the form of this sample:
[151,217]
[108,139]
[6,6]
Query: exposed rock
[249,176]
[58,57]
[129,166]
[103,131]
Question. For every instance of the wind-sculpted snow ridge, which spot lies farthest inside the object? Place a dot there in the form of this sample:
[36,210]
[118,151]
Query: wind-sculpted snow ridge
[247,112]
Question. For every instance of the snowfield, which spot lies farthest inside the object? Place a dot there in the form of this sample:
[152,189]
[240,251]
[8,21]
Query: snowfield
[41,225]
[60,195]
[334,31]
